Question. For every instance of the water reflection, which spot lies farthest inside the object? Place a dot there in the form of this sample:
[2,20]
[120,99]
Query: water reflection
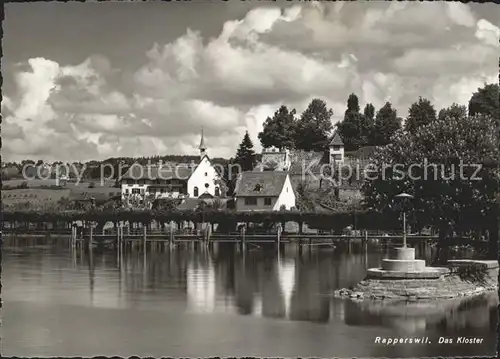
[416,317]
[256,286]
[286,276]
[200,286]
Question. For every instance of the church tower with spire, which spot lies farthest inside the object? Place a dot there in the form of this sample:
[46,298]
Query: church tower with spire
[202,147]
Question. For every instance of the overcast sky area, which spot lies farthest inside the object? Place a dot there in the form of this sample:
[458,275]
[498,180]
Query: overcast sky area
[97,80]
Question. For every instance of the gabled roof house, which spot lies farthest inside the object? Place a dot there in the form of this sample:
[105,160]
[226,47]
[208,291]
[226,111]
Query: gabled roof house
[264,191]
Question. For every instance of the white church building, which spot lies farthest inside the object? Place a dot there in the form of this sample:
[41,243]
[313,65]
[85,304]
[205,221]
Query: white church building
[173,179]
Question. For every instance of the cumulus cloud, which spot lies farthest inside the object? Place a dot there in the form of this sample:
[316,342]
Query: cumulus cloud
[488,33]
[230,83]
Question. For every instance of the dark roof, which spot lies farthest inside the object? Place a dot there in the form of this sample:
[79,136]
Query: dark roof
[363,152]
[188,204]
[336,140]
[306,160]
[261,184]
[205,195]
[193,203]
[180,171]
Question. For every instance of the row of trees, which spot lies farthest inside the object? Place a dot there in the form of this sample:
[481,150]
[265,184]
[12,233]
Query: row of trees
[335,220]
[309,132]
[312,129]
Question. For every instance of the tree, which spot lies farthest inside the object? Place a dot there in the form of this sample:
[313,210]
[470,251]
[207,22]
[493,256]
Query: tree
[369,118]
[356,127]
[369,112]
[454,111]
[223,187]
[215,205]
[352,103]
[9,172]
[166,204]
[314,127]
[386,125]
[447,196]
[420,113]
[305,199]
[245,156]
[278,131]
[485,101]
[231,177]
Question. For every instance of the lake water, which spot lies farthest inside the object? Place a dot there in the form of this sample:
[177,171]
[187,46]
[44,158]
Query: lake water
[194,302]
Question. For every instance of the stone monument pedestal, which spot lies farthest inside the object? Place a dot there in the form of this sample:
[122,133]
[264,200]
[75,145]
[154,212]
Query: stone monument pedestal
[402,264]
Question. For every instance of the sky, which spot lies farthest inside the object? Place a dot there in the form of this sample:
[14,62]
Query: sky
[89,81]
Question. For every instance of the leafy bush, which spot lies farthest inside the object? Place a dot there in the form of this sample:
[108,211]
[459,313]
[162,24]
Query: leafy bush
[471,274]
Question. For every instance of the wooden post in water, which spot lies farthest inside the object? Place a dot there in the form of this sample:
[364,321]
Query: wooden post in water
[365,248]
[91,236]
[243,238]
[118,241]
[171,238]
[73,236]
[144,237]
[279,237]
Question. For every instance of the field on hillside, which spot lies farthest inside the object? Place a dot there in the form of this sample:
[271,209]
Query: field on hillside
[33,195]
[110,191]
[34,183]
[42,196]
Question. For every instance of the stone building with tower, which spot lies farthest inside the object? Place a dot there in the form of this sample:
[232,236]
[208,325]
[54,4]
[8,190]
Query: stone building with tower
[311,167]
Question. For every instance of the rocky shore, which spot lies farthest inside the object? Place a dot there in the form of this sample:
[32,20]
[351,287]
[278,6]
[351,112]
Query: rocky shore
[466,278]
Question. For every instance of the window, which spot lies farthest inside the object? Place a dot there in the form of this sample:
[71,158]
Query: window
[126,191]
[206,174]
[217,192]
[267,201]
[258,187]
[207,185]
[251,201]
[195,192]
[136,191]
[336,148]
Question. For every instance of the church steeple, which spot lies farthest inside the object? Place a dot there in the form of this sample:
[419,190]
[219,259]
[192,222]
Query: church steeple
[202,147]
